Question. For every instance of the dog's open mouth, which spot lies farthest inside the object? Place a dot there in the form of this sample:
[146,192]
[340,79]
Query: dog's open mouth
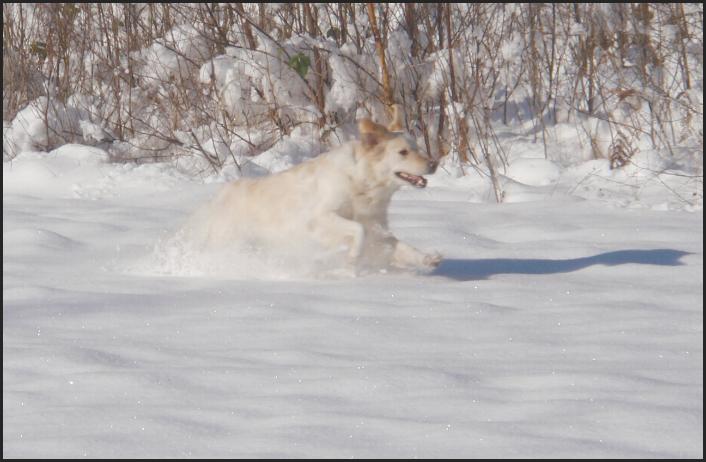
[414,180]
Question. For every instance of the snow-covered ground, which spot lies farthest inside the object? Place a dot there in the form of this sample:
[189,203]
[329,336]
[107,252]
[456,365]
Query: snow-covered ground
[567,322]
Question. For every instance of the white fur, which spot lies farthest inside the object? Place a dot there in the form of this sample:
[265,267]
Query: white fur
[340,199]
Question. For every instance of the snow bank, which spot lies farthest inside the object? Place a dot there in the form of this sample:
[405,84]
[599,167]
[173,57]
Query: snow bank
[534,172]
[79,171]
[288,152]
[552,328]
[173,56]
[62,172]
[40,125]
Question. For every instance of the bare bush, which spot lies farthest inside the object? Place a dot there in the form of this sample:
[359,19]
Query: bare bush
[220,82]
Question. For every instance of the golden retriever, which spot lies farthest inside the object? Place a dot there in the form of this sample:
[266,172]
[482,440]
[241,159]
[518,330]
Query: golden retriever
[340,199]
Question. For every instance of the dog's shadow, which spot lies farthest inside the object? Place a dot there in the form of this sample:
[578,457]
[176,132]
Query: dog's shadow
[470,269]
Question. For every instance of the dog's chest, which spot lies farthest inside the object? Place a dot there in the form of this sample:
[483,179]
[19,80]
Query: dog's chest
[367,203]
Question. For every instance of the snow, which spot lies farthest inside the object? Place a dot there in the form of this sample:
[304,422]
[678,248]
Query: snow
[40,124]
[568,321]
[288,152]
[173,57]
[534,172]
[346,77]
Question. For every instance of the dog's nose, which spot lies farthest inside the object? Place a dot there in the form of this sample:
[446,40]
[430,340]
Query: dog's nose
[432,165]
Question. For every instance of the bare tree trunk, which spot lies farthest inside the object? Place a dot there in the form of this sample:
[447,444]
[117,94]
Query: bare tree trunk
[683,39]
[319,66]
[387,94]
[461,122]
[245,24]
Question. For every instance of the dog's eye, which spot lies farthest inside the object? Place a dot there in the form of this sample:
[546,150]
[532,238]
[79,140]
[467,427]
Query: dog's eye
[404,152]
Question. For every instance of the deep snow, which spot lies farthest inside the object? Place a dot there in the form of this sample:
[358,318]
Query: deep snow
[557,326]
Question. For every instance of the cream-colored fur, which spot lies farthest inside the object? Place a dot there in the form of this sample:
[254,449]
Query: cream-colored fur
[340,199]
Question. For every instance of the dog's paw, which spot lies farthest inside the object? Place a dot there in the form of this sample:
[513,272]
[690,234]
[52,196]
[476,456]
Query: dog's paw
[432,260]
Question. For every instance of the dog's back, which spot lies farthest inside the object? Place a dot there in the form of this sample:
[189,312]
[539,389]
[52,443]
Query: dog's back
[281,204]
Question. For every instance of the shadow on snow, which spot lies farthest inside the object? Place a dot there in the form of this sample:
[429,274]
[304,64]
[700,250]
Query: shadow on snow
[468,269]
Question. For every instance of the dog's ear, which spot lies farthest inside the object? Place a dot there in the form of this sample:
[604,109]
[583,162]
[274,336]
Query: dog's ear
[397,122]
[371,133]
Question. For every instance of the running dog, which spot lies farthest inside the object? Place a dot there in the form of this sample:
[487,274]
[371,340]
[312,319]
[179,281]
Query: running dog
[340,199]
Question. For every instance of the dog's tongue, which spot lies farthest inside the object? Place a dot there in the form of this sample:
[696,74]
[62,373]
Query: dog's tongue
[414,180]
[419,181]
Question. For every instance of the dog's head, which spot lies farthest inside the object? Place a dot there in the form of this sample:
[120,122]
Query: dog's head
[392,154]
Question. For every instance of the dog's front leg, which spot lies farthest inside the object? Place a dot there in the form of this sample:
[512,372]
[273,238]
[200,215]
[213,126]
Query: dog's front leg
[383,248]
[334,231]
[379,246]
[406,256]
